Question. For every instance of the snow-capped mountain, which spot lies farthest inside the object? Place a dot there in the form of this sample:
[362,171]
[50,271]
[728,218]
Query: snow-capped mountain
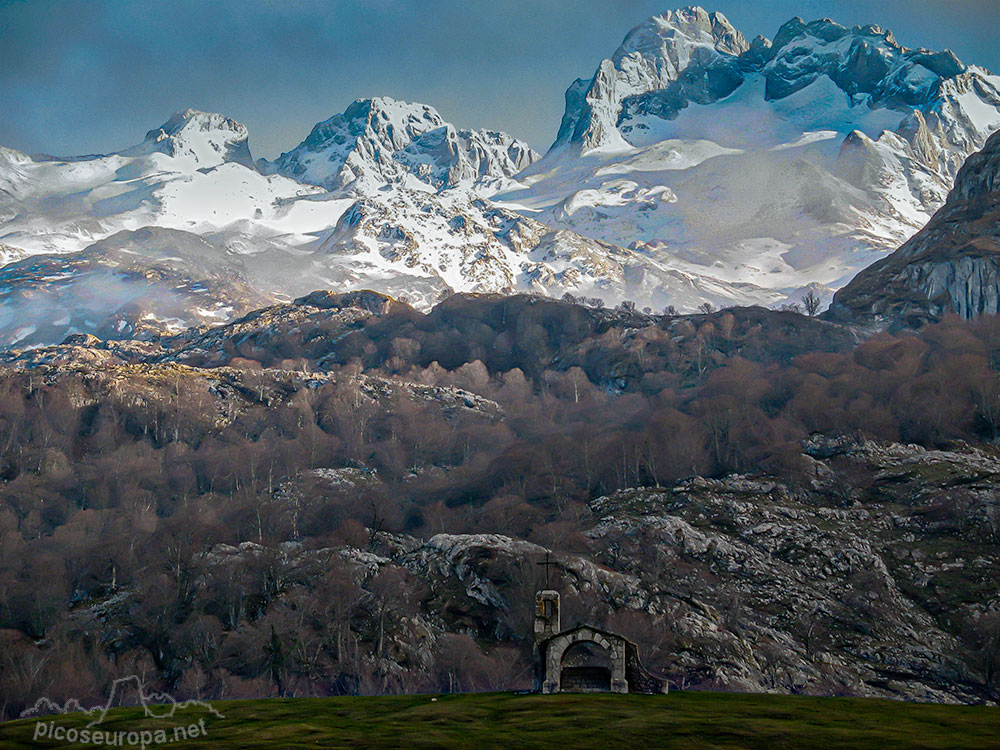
[415,245]
[693,166]
[407,221]
[196,173]
[205,139]
[778,163]
[192,173]
[654,56]
[381,140]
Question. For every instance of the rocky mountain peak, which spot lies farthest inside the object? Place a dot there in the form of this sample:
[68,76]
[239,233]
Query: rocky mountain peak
[382,140]
[825,29]
[390,122]
[207,138]
[652,56]
[979,178]
[693,56]
[672,35]
[862,60]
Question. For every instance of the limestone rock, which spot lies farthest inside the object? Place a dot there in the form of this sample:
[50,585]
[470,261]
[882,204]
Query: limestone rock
[950,266]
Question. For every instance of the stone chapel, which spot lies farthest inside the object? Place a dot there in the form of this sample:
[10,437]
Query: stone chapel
[584,658]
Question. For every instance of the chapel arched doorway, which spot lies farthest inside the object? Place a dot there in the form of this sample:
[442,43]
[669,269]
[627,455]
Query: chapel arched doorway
[586,668]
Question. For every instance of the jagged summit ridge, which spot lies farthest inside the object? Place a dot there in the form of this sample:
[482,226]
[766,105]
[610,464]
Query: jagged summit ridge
[652,55]
[691,55]
[380,140]
[207,138]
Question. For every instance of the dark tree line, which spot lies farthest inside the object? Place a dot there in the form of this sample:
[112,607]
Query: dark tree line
[121,486]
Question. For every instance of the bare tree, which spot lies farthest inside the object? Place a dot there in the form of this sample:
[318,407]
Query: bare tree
[811,302]
[814,634]
[983,634]
[771,658]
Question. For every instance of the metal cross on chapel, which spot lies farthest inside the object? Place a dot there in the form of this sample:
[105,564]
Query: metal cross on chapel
[547,563]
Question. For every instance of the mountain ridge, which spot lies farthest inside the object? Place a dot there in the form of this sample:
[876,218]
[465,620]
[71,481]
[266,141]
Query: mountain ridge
[693,167]
[786,163]
[382,140]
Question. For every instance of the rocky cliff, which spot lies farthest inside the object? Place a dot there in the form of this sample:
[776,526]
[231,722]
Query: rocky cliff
[950,266]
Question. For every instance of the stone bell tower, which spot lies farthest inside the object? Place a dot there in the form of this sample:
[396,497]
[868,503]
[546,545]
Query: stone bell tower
[546,615]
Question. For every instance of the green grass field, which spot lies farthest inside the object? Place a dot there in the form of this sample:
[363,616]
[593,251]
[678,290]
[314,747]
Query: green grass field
[678,720]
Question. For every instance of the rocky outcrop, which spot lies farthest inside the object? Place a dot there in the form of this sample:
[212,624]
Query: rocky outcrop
[950,266]
[865,60]
[860,568]
[381,140]
[858,580]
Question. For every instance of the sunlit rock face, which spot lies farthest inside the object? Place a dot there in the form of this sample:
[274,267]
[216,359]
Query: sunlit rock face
[950,266]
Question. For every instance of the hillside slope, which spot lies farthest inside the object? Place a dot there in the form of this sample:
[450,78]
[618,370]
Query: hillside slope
[759,500]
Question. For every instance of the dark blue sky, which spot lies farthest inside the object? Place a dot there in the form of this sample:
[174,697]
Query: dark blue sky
[82,76]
